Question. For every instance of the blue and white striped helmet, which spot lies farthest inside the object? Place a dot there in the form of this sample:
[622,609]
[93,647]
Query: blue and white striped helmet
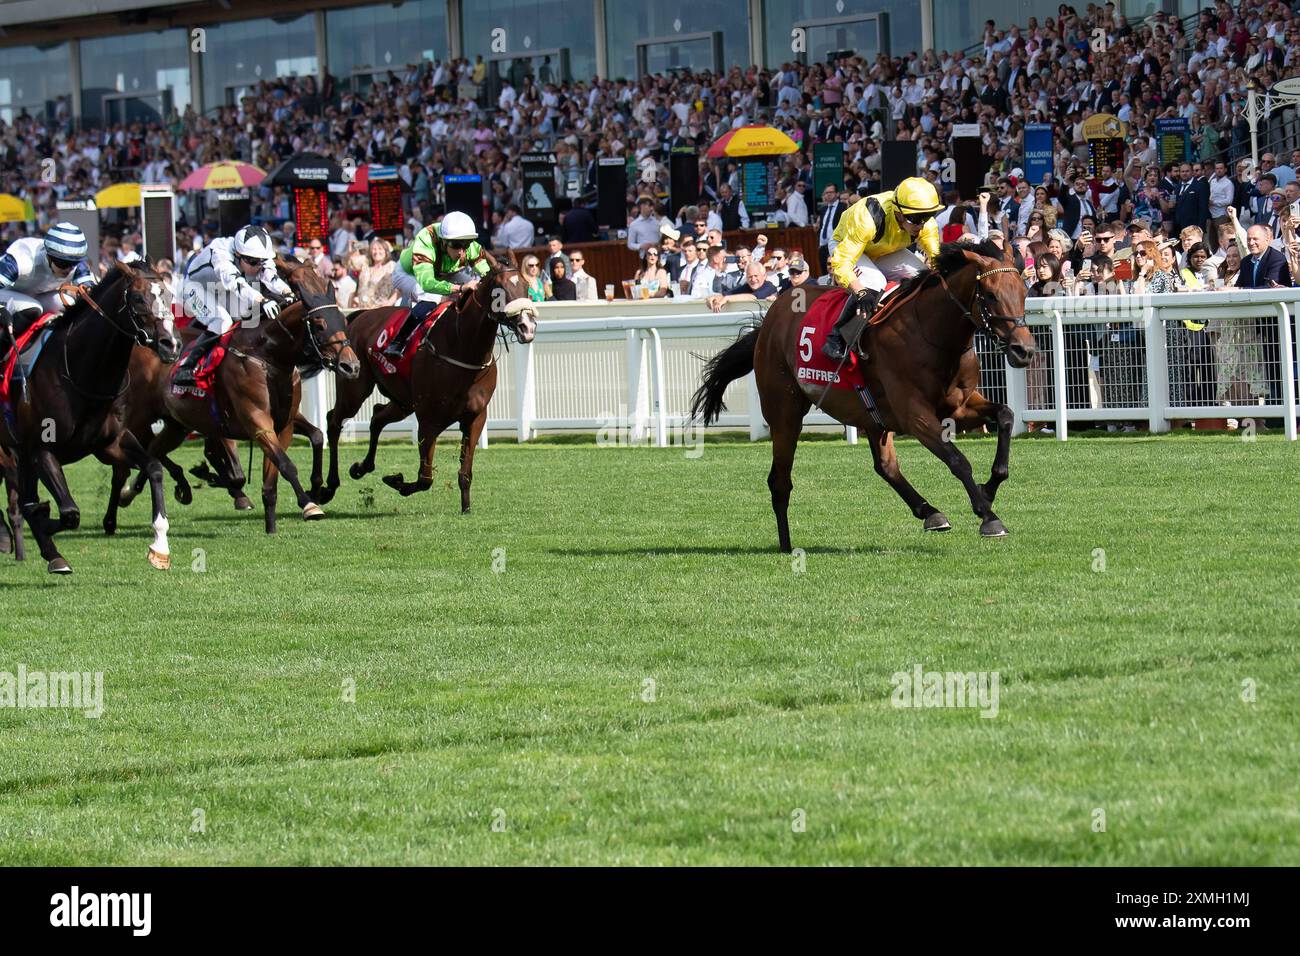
[65,241]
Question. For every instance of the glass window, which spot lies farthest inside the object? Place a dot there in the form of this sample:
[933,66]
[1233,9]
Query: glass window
[385,37]
[958,27]
[780,16]
[240,55]
[545,39]
[674,30]
[33,78]
[140,76]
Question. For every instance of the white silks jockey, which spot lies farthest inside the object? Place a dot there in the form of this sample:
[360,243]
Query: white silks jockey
[231,280]
[33,270]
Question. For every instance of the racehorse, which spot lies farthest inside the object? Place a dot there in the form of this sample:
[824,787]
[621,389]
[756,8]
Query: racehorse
[67,412]
[453,376]
[921,369]
[11,541]
[253,392]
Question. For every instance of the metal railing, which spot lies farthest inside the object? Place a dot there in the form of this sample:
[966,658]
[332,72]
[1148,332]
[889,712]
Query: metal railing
[633,366]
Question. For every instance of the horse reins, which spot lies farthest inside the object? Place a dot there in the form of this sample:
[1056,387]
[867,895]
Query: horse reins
[138,336]
[983,324]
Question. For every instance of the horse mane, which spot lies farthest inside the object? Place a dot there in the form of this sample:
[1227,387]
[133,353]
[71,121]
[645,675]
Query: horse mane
[951,259]
[96,292]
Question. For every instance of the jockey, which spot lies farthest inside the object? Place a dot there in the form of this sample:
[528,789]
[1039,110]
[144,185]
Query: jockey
[869,248]
[33,270]
[443,259]
[230,280]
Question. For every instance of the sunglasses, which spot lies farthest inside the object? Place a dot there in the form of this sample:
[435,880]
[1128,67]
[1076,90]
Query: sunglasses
[577,259]
[918,218]
[250,261]
[458,244]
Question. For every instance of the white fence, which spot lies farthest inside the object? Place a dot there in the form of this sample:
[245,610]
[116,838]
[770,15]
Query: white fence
[633,366]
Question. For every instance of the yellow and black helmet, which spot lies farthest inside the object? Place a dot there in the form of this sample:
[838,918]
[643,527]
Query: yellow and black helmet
[917,199]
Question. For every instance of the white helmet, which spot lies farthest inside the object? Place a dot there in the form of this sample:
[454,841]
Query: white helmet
[254,242]
[457,225]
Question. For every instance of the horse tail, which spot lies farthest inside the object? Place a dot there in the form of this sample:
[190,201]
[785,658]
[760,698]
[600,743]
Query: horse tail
[731,363]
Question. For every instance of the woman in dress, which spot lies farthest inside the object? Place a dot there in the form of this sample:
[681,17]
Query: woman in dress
[653,276]
[375,283]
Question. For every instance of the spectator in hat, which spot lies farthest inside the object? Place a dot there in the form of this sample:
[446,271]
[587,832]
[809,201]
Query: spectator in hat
[672,255]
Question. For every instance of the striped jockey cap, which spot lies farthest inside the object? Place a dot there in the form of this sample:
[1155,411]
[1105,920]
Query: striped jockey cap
[65,241]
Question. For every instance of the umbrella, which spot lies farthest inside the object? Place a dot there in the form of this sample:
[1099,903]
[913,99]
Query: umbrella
[753,140]
[14,209]
[227,174]
[305,169]
[118,196]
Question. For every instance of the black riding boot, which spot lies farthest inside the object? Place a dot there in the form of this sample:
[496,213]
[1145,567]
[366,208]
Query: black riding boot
[184,374]
[851,323]
[393,349]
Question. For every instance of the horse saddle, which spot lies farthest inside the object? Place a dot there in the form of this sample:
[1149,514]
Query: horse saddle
[205,373]
[22,354]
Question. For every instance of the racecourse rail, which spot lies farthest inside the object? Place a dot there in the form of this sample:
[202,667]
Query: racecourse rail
[625,370]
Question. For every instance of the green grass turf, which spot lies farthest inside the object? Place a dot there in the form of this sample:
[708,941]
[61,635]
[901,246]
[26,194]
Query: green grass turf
[516,697]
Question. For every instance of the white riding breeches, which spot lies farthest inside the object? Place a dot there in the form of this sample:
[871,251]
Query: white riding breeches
[899,265]
[406,284]
[215,308]
[17,302]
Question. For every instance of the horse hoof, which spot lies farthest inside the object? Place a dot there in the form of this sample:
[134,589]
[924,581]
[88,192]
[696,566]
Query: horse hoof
[937,522]
[357,471]
[243,504]
[323,495]
[124,499]
[160,561]
[184,494]
[59,566]
[394,481]
[312,512]
[993,528]
[110,527]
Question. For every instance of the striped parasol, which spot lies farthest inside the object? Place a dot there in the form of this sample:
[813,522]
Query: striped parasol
[227,174]
[753,140]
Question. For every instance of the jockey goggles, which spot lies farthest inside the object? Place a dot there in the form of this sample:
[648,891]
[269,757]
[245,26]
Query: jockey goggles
[458,244]
[918,218]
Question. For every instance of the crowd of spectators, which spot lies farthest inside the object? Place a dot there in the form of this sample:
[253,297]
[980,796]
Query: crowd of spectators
[438,118]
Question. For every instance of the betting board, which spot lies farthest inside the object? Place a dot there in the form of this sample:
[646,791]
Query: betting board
[311,213]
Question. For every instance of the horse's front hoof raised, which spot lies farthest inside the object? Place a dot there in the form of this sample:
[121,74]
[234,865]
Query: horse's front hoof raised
[243,504]
[937,522]
[993,528]
[394,481]
[59,566]
[312,512]
[184,494]
[162,562]
[358,470]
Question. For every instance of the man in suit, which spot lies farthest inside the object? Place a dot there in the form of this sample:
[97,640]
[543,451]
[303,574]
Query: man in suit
[827,220]
[1191,201]
[1265,266]
[1075,205]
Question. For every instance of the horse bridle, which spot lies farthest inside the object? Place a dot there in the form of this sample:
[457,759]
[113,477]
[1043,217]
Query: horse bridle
[137,335]
[982,323]
[317,347]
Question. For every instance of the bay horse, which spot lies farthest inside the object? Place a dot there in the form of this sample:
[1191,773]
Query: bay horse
[922,369]
[11,541]
[68,408]
[453,376]
[253,393]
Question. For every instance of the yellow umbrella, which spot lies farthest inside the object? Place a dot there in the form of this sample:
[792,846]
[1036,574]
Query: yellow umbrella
[118,196]
[14,209]
[753,140]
